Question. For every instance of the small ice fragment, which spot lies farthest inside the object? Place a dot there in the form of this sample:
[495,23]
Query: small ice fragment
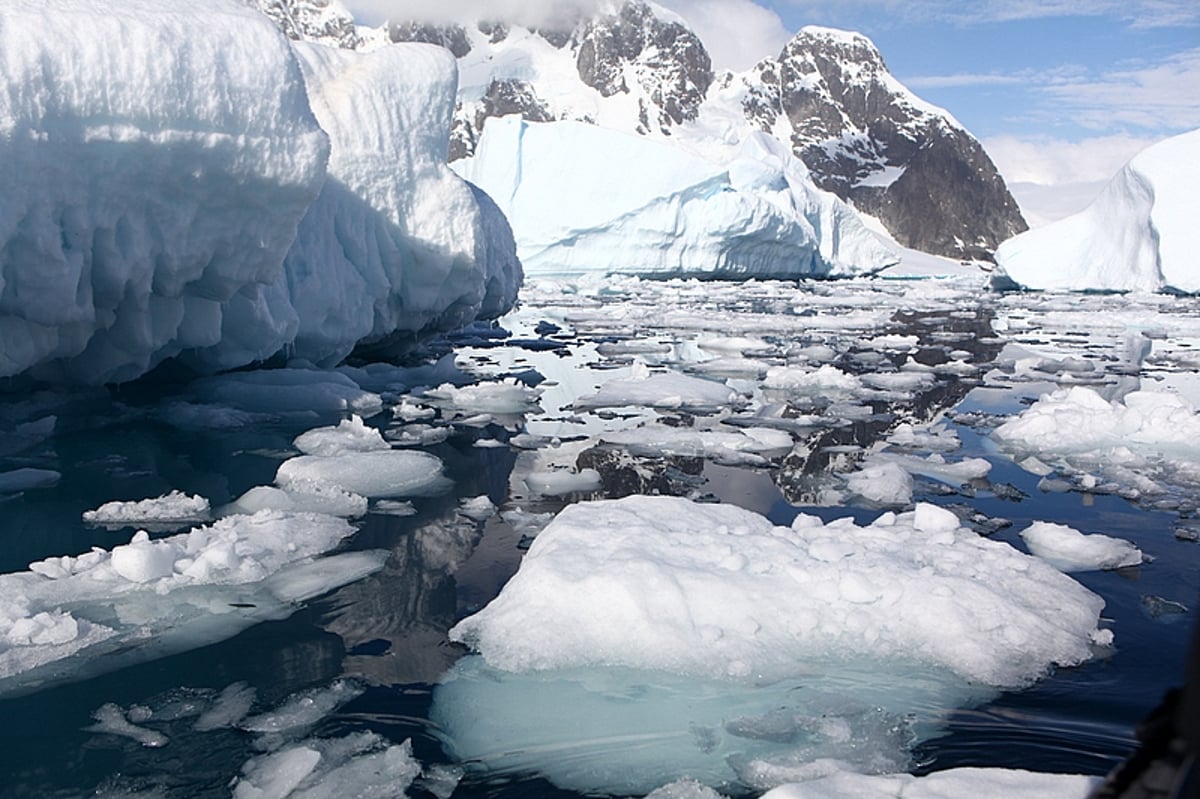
[1070,550]
[111,719]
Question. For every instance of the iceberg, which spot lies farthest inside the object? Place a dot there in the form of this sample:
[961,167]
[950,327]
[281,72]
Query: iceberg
[1138,235]
[183,182]
[702,640]
[582,198]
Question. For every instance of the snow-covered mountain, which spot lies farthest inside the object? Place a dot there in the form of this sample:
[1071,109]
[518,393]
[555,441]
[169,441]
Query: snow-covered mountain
[828,95]
[184,182]
[1139,234]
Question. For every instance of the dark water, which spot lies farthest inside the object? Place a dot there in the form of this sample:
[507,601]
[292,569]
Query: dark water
[388,631]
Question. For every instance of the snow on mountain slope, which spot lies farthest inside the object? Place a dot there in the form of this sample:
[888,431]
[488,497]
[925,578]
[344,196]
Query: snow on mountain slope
[635,205]
[158,161]
[828,95]
[1140,234]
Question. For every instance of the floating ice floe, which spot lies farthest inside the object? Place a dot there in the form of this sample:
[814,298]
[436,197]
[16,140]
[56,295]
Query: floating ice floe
[558,482]
[882,483]
[173,509]
[749,446]
[732,650]
[1070,550]
[73,616]
[982,783]
[1135,443]
[505,397]
[349,435]
[375,473]
[661,390]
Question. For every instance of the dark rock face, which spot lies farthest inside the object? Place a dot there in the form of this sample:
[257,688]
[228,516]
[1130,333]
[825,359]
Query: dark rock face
[503,97]
[452,37]
[672,67]
[312,20]
[870,141]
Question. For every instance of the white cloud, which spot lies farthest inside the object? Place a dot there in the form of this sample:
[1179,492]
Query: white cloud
[1162,96]
[736,33]
[1136,13]
[527,12]
[1048,161]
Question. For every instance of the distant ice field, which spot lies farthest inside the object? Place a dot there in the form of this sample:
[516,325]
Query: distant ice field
[805,537]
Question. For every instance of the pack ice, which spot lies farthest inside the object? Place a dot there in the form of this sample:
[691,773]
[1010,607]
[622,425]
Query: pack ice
[584,198]
[1138,235]
[738,651]
[160,162]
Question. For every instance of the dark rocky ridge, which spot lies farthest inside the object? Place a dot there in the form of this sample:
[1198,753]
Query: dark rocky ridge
[312,20]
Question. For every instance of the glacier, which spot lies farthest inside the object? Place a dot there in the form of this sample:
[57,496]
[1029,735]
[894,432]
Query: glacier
[184,182]
[1139,234]
[585,199]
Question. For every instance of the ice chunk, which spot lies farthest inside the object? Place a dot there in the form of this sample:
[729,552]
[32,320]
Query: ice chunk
[1138,235]
[299,497]
[111,719]
[717,591]
[748,446]
[350,435]
[1070,550]
[230,707]
[661,390]
[150,598]
[559,482]
[301,711]
[361,765]
[883,483]
[504,397]
[478,509]
[983,783]
[173,508]
[823,379]
[377,473]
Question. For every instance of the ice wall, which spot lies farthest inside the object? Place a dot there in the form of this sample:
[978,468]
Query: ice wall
[583,198]
[1138,235]
[160,160]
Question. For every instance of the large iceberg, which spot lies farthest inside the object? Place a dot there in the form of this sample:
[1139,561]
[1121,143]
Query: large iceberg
[587,199]
[1140,234]
[159,161]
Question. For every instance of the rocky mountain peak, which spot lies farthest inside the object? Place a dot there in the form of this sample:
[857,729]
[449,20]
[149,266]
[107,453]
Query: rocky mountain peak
[867,138]
[665,59]
[326,21]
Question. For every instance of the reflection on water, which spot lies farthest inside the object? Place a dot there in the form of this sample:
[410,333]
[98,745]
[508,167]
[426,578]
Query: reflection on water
[985,357]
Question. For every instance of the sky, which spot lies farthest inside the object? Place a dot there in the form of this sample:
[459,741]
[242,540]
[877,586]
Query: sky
[1060,92]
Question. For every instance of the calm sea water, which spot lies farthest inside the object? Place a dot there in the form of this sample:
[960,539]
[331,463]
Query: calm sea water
[388,631]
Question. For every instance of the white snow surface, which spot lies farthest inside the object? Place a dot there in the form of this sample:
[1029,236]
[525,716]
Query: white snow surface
[1070,550]
[1138,235]
[583,198]
[161,160]
[716,591]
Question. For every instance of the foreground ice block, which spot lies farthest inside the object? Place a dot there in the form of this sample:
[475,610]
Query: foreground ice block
[702,640]
[1140,234]
[160,161]
[582,198]
[156,159]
